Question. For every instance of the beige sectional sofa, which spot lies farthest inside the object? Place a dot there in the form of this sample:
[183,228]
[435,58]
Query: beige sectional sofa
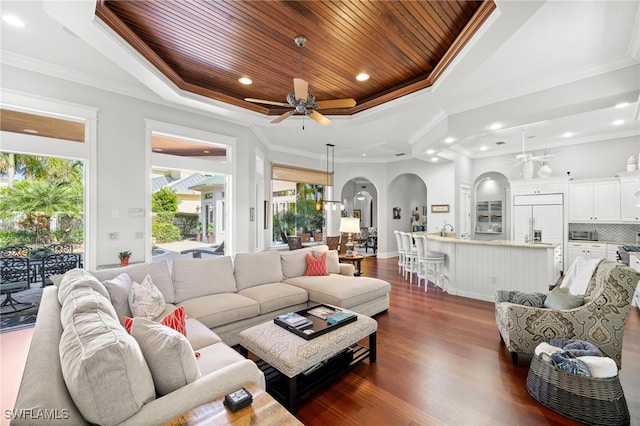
[83,367]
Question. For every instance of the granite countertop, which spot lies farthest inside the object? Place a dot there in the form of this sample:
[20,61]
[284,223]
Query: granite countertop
[499,243]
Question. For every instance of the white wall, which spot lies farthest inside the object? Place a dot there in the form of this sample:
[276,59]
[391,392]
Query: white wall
[121,171]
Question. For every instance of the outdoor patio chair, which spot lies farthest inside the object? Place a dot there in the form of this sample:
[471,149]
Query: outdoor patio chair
[333,242]
[15,251]
[56,264]
[60,248]
[15,276]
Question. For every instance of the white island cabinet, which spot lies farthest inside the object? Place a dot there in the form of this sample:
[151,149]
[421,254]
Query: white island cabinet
[476,269]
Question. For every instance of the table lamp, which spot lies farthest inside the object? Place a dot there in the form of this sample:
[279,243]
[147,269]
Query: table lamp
[349,225]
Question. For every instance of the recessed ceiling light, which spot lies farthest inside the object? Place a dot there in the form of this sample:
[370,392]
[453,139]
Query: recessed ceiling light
[430,151]
[618,122]
[363,76]
[567,134]
[364,155]
[483,148]
[13,20]
[157,149]
[449,140]
[500,143]
[32,131]
[622,104]
[206,151]
[434,159]
[245,80]
[495,126]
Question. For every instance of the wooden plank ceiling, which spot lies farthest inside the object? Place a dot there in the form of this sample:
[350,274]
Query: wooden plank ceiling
[206,46]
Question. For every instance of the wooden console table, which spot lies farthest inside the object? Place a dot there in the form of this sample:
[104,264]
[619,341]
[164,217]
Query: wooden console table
[263,410]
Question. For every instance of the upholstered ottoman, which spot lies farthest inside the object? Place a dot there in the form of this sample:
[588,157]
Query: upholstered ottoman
[296,358]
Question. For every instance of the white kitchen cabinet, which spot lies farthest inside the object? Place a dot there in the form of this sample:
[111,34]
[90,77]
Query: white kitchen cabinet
[541,187]
[594,201]
[630,198]
[588,250]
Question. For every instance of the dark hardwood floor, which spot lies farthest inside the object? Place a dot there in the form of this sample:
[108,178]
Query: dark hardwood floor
[440,361]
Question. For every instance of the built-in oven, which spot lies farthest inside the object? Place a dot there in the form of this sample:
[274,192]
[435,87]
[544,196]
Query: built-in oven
[623,253]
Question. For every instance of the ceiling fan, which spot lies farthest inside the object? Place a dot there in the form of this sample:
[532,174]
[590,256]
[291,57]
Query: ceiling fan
[302,101]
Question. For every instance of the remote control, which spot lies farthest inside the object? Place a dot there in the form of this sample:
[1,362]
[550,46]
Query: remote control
[238,399]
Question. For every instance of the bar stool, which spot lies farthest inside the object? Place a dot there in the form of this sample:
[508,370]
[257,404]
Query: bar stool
[410,256]
[433,264]
[400,251]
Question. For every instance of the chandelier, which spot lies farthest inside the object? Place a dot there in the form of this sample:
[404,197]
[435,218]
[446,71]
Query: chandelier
[329,204]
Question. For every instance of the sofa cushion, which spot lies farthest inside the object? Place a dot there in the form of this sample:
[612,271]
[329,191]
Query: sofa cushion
[103,368]
[219,309]
[340,290]
[275,296]
[560,299]
[316,266]
[294,262]
[159,272]
[146,300]
[201,277]
[79,278]
[85,300]
[199,335]
[253,269]
[333,262]
[217,356]
[168,354]
[119,288]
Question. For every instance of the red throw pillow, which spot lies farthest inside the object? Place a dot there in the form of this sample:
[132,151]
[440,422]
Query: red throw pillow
[175,320]
[316,267]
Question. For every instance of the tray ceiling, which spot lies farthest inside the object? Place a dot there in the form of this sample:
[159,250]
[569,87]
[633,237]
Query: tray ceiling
[205,47]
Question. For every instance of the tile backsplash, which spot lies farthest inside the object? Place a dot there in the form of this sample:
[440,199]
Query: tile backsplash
[609,231]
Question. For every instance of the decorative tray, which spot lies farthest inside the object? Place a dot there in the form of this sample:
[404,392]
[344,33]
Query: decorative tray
[315,321]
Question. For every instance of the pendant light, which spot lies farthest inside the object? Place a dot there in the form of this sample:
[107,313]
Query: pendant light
[329,204]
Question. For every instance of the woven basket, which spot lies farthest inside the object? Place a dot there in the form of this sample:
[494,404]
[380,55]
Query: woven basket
[584,399]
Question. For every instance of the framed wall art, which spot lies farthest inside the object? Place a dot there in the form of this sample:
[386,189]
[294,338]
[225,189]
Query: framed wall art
[439,208]
[357,213]
[396,212]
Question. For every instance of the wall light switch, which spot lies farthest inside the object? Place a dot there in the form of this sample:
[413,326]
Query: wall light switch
[114,213]
[139,235]
[112,236]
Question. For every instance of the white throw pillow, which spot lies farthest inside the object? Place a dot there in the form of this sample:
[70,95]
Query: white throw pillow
[146,300]
[168,353]
[119,289]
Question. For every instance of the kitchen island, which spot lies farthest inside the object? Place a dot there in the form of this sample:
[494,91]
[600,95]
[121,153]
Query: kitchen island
[476,269]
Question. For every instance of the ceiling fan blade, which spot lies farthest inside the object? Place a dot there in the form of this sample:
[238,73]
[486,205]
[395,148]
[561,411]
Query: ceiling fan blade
[300,88]
[337,103]
[315,115]
[282,117]
[262,101]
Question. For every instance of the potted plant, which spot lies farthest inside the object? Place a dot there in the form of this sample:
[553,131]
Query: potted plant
[210,233]
[124,257]
[198,231]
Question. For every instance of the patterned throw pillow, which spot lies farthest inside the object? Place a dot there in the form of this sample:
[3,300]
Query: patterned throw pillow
[175,320]
[316,267]
[535,300]
[146,300]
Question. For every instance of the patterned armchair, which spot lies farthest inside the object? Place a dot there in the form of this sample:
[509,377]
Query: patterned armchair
[600,320]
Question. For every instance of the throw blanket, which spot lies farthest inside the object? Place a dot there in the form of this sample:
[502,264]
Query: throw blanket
[576,347]
[577,277]
[569,363]
[598,366]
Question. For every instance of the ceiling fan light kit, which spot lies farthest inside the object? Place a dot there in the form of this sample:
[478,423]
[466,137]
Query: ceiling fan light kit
[301,101]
